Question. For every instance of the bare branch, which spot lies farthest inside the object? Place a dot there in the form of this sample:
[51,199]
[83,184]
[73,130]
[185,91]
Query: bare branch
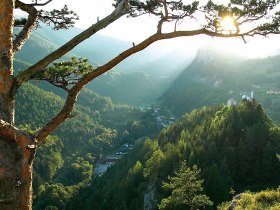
[40,4]
[156,37]
[73,93]
[26,141]
[14,134]
[160,24]
[61,116]
[28,27]
[42,64]
[165,8]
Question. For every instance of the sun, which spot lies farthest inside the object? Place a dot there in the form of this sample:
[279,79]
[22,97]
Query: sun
[227,25]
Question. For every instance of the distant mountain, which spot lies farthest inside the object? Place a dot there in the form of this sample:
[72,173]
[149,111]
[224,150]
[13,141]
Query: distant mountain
[208,54]
[35,48]
[45,40]
[275,52]
[215,76]
[141,79]
[129,88]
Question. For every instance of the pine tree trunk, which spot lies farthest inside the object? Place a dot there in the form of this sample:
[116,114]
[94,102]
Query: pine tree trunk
[15,177]
[15,161]
[15,165]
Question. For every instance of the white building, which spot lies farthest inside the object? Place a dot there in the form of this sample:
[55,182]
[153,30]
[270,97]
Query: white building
[231,102]
[249,98]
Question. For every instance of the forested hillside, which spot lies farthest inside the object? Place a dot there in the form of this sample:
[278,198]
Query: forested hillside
[217,139]
[234,146]
[65,163]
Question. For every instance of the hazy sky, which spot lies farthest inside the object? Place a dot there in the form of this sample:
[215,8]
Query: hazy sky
[136,29]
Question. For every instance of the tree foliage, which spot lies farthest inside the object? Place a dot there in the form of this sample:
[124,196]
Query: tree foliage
[186,189]
[234,147]
[65,74]
[244,13]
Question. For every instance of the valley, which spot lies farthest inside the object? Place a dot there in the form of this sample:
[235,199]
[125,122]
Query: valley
[133,126]
[139,105]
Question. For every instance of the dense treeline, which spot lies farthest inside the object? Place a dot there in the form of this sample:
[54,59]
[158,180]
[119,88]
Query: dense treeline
[121,187]
[235,147]
[64,164]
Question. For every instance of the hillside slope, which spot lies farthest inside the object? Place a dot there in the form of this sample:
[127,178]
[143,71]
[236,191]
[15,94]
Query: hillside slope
[235,148]
[97,128]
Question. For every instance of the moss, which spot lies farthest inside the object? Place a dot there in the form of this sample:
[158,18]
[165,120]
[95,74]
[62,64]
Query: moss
[268,199]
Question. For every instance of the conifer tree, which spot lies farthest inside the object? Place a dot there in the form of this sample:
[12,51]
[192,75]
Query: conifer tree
[18,147]
[186,190]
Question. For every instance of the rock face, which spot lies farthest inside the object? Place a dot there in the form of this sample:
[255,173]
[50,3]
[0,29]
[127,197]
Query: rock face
[234,202]
[149,201]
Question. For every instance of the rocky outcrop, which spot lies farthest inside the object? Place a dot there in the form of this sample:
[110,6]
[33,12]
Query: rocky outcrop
[234,202]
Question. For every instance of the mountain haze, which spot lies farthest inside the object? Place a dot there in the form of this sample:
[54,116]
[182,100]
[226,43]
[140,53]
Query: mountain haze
[154,69]
[215,76]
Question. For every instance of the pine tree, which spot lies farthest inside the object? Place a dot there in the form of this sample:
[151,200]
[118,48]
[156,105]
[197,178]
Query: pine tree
[186,189]
[18,147]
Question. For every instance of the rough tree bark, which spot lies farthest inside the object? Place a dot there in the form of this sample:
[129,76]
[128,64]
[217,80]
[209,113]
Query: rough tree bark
[15,158]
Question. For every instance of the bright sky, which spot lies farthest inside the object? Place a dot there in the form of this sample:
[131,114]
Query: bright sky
[136,29]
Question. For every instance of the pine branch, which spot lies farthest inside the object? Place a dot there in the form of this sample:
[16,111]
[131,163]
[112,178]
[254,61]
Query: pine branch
[40,4]
[60,19]
[29,25]
[74,91]
[14,134]
[40,67]
[42,64]
[65,74]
